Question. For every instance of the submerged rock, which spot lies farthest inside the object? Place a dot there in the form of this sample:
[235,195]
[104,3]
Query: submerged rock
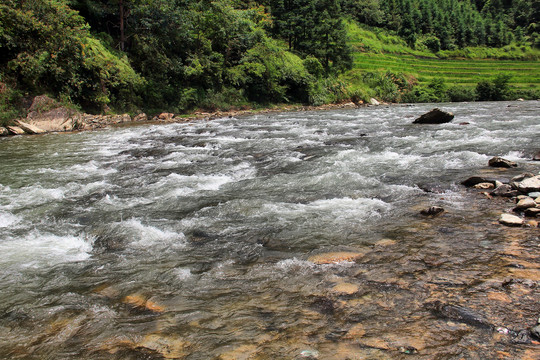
[435,116]
[499,162]
[510,220]
[334,257]
[458,313]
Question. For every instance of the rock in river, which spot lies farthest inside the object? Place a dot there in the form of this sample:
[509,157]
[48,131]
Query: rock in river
[475,180]
[525,204]
[435,116]
[528,185]
[510,220]
[499,162]
[432,211]
[504,191]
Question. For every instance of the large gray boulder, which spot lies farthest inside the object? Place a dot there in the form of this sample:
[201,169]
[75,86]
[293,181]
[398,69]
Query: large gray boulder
[435,116]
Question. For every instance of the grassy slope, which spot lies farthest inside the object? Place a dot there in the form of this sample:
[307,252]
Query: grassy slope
[378,52]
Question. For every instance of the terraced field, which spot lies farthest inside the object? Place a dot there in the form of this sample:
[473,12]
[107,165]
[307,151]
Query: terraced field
[525,74]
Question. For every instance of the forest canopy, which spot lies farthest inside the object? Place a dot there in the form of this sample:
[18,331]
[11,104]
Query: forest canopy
[127,55]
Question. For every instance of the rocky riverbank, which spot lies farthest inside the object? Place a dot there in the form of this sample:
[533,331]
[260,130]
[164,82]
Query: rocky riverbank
[522,191]
[45,115]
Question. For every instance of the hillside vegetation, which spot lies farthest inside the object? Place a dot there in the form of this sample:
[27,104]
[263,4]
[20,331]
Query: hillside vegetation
[179,55]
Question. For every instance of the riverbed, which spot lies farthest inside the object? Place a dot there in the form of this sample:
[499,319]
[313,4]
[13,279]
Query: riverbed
[292,235]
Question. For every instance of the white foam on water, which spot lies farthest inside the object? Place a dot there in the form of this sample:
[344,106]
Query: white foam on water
[36,249]
[183,273]
[145,236]
[8,219]
[294,265]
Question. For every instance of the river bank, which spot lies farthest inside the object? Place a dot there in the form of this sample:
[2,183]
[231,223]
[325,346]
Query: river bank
[46,115]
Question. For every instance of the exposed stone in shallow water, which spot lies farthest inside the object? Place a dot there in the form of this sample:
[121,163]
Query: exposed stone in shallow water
[4,131]
[484,186]
[528,185]
[504,191]
[435,116]
[525,204]
[510,220]
[532,212]
[432,211]
[499,162]
[536,157]
[474,180]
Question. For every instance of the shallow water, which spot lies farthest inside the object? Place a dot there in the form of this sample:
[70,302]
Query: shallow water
[196,240]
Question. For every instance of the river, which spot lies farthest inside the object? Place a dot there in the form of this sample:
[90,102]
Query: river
[203,240]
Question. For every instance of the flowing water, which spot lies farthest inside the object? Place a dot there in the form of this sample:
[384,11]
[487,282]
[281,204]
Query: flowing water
[208,240]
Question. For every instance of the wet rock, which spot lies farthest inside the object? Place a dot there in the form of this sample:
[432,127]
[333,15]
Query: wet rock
[510,220]
[504,190]
[528,185]
[532,212]
[335,257]
[4,131]
[525,204]
[458,313]
[536,157]
[522,177]
[501,163]
[535,195]
[475,180]
[484,186]
[432,211]
[535,331]
[435,116]
[464,123]
[15,130]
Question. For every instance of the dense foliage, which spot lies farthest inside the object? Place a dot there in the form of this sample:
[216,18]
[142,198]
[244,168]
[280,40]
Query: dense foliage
[449,24]
[175,55]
